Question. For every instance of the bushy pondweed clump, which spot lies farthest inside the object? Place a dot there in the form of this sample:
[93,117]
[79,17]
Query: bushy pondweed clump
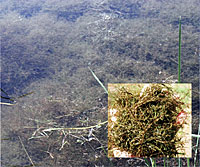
[146,124]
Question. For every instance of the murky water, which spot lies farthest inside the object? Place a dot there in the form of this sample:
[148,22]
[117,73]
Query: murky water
[47,47]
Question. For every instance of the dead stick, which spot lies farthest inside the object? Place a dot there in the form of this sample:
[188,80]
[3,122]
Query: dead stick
[26,151]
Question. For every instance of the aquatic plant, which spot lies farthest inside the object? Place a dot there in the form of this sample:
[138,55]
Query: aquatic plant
[147,122]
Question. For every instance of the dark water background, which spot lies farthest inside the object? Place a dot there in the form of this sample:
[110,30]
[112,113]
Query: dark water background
[47,46]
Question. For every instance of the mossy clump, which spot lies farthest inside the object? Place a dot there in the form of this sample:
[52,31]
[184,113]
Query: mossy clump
[146,124]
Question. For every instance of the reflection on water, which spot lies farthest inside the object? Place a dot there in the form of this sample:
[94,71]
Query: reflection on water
[46,47]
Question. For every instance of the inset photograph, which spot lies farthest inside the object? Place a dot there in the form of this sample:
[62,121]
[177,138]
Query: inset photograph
[149,120]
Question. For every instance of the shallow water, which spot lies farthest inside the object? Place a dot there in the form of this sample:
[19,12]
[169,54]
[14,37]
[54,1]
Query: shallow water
[47,46]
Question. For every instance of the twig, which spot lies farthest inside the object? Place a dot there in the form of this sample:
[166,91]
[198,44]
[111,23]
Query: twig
[8,104]
[26,151]
[98,80]
[77,128]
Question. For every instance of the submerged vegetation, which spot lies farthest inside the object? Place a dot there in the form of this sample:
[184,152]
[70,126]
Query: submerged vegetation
[146,124]
[47,46]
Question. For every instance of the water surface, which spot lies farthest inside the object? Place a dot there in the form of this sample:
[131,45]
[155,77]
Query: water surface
[47,46]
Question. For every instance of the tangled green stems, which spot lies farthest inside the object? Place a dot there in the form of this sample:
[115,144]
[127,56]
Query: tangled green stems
[146,124]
